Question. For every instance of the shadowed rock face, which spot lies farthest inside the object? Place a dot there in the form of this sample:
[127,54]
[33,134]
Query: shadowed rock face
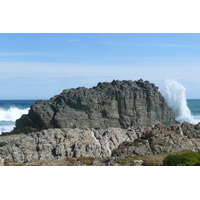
[120,104]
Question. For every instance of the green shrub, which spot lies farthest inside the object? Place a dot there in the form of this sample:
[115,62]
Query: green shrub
[182,159]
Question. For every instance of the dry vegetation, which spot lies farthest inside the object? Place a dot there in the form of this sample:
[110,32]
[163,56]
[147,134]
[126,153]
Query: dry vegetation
[182,158]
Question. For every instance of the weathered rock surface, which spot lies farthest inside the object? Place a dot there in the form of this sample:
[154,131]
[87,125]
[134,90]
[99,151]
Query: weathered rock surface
[62,143]
[111,143]
[120,104]
[137,163]
[190,130]
[162,140]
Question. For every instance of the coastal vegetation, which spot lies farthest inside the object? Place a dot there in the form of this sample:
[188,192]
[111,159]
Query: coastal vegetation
[182,159]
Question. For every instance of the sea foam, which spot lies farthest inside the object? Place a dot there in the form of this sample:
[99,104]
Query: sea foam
[9,116]
[175,95]
[12,114]
[6,128]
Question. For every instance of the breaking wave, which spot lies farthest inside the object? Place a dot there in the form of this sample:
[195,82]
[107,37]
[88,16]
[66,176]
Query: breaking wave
[175,96]
[12,113]
[6,128]
[9,116]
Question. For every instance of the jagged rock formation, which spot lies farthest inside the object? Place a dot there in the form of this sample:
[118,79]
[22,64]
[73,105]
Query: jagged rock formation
[112,143]
[162,140]
[120,104]
[191,130]
[62,143]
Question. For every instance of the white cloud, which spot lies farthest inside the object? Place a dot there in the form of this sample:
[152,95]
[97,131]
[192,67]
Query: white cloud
[26,69]
[65,75]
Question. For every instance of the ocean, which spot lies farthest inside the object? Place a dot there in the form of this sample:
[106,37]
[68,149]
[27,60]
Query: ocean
[194,106]
[10,110]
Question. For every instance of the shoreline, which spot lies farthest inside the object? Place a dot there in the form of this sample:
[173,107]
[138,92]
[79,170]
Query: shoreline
[114,120]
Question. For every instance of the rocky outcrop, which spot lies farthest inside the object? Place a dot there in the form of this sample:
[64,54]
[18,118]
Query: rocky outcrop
[111,121]
[111,143]
[162,140]
[62,143]
[190,130]
[120,104]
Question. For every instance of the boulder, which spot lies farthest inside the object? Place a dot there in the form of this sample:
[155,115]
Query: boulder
[120,104]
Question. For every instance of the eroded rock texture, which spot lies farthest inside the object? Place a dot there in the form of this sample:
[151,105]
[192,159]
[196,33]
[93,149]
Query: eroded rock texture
[111,143]
[62,143]
[161,140]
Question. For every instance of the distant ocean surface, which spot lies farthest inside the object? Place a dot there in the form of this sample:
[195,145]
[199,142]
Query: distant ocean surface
[194,106]
[11,110]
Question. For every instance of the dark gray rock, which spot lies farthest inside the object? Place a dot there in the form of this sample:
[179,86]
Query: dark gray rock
[120,104]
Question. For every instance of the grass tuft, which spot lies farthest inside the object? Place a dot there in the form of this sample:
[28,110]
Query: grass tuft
[86,160]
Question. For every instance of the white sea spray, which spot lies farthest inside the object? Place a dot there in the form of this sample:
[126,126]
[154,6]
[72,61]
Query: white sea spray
[175,95]
[9,116]
[12,113]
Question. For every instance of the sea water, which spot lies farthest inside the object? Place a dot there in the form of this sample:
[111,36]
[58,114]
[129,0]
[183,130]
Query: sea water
[194,106]
[10,111]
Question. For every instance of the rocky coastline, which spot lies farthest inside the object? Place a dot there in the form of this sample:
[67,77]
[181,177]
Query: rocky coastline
[103,125]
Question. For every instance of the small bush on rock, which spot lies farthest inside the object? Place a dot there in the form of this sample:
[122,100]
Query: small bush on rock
[182,159]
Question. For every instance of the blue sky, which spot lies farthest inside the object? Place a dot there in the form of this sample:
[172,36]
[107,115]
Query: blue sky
[39,66]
